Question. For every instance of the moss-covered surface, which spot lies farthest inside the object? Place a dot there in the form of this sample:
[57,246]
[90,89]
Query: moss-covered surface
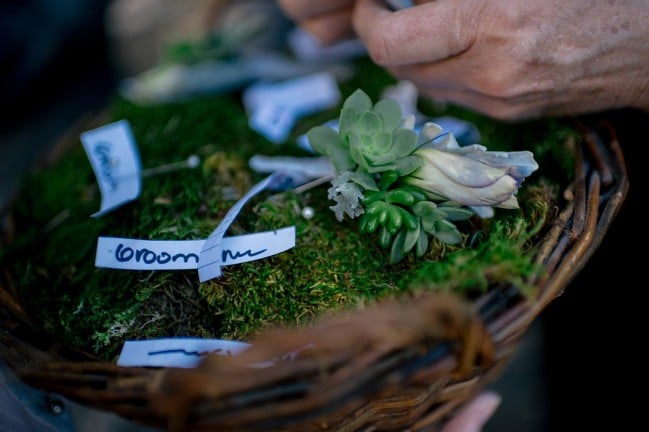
[332,267]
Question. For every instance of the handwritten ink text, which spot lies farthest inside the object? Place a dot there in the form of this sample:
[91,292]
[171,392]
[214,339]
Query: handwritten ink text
[125,254]
[106,167]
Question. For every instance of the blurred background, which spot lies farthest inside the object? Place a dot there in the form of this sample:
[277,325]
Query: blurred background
[62,61]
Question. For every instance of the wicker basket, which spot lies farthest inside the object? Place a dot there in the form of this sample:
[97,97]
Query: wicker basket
[404,365]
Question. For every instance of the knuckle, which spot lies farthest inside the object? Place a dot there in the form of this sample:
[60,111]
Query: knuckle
[378,48]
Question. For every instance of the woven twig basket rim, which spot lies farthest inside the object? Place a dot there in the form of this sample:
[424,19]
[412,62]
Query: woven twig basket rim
[428,384]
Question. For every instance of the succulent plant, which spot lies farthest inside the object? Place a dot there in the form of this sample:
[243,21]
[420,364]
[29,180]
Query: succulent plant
[407,187]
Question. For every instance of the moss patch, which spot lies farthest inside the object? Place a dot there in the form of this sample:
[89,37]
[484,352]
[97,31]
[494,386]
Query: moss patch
[332,267]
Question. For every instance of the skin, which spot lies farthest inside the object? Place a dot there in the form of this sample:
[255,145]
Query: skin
[508,59]
[473,416]
[327,20]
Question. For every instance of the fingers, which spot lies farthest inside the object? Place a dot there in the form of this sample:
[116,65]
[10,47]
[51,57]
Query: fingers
[330,27]
[327,20]
[475,415]
[300,10]
[497,108]
[424,33]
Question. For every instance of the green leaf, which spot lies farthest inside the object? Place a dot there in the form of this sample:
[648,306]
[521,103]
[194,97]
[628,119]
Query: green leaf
[347,121]
[369,123]
[456,213]
[375,208]
[396,252]
[321,137]
[390,113]
[422,244]
[364,180]
[395,219]
[383,216]
[409,221]
[356,150]
[400,196]
[404,141]
[381,168]
[387,178]
[378,148]
[359,101]
[410,240]
[372,223]
[408,164]
[424,209]
[384,237]
[447,232]
[340,159]
[372,196]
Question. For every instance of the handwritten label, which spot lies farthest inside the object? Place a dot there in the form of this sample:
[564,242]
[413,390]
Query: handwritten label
[133,254]
[273,121]
[177,352]
[188,352]
[273,108]
[211,252]
[115,161]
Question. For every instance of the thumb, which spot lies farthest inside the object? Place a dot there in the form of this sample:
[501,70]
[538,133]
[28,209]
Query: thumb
[427,32]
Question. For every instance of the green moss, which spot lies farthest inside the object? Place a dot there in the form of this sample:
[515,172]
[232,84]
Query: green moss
[332,267]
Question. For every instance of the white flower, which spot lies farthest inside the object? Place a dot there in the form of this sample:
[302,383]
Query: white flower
[471,175]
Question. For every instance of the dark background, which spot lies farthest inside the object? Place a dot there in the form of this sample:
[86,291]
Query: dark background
[575,367]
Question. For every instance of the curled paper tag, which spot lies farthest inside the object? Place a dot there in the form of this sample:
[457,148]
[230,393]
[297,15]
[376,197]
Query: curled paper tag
[176,352]
[273,108]
[132,254]
[115,160]
[211,256]
[186,352]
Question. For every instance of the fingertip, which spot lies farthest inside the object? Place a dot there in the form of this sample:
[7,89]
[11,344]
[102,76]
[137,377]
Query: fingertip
[486,405]
[473,416]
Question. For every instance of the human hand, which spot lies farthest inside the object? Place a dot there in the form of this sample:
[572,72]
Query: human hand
[327,20]
[474,415]
[514,60]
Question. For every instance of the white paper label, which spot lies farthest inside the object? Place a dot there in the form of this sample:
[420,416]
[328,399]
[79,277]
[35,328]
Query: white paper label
[115,160]
[175,352]
[273,108]
[134,254]
[212,251]
[307,48]
[273,121]
[186,352]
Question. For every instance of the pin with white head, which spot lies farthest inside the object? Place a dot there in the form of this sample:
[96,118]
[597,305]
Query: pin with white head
[193,161]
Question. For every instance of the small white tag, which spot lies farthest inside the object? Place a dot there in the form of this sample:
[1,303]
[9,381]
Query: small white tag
[211,255]
[175,352]
[133,254]
[115,160]
[186,352]
[273,108]
[307,48]
[273,121]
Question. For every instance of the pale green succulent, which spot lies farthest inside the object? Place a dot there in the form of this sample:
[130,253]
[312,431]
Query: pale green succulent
[407,187]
